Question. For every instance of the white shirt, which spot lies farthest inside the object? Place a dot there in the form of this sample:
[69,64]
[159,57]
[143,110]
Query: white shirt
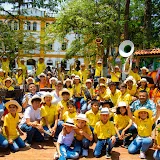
[56,98]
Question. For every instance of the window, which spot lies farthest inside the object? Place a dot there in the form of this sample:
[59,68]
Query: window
[15,25]
[64,46]
[47,24]
[10,24]
[50,46]
[28,25]
[34,26]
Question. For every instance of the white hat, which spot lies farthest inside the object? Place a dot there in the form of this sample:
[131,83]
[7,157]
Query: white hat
[144,80]
[8,79]
[46,94]
[53,79]
[64,90]
[88,81]
[31,79]
[122,104]
[1,70]
[144,68]
[14,102]
[34,97]
[76,77]
[103,78]
[82,117]
[42,74]
[116,66]
[104,111]
[68,80]
[69,122]
[99,61]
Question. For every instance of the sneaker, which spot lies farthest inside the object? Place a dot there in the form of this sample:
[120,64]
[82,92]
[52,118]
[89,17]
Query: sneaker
[108,155]
[142,155]
[27,144]
[55,156]
[85,152]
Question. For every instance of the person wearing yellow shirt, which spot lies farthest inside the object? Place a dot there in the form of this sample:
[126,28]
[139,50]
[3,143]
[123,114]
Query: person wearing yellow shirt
[101,80]
[21,64]
[8,84]
[123,124]
[49,115]
[114,93]
[115,75]
[125,96]
[68,85]
[5,64]
[104,133]
[135,74]
[83,135]
[19,77]
[143,85]
[144,71]
[2,76]
[83,73]
[11,131]
[52,82]
[144,120]
[40,66]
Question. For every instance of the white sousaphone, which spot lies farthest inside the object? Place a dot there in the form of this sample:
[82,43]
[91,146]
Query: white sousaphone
[126,50]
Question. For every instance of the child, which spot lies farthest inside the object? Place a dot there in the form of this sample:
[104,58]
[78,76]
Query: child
[49,115]
[83,135]
[64,142]
[30,122]
[8,84]
[105,132]
[143,85]
[52,82]
[123,124]
[10,126]
[68,85]
[19,77]
[144,121]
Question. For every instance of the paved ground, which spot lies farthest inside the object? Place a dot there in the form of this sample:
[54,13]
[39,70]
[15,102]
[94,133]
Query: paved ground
[44,151]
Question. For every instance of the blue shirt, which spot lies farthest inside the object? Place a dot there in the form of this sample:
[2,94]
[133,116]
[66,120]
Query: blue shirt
[1,106]
[149,104]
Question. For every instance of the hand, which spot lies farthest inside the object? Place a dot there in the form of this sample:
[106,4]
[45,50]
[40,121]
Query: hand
[53,131]
[21,133]
[10,141]
[81,132]
[122,134]
[113,139]
[128,107]
[120,137]
[40,128]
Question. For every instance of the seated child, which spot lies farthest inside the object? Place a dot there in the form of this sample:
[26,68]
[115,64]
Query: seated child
[144,120]
[64,142]
[3,141]
[30,122]
[11,130]
[123,124]
[104,132]
[83,135]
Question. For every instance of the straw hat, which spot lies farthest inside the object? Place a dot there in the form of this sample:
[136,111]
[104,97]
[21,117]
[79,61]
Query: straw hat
[99,61]
[76,77]
[42,74]
[64,90]
[143,109]
[1,70]
[82,117]
[14,103]
[19,68]
[88,81]
[30,78]
[144,68]
[122,104]
[52,79]
[102,85]
[69,122]
[116,66]
[102,78]
[8,79]
[46,94]
[68,80]
[104,111]
[143,80]
[34,97]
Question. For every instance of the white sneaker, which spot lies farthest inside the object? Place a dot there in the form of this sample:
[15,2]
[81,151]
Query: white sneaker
[85,152]
[142,155]
[55,156]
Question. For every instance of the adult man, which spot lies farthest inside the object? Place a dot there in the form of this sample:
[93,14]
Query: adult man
[83,73]
[134,74]
[21,64]
[40,66]
[143,101]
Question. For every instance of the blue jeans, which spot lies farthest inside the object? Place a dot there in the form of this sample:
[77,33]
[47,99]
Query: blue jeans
[156,155]
[17,143]
[3,142]
[140,143]
[1,113]
[101,143]
[67,153]
[79,145]
[32,133]
[83,103]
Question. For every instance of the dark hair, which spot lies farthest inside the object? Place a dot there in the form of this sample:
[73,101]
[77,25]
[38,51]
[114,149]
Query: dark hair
[107,102]
[65,86]
[30,84]
[71,102]
[143,91]
[111,83]
[118,111]
[35,100]
[65,93]
[94,101]
[123,85]
[58,82]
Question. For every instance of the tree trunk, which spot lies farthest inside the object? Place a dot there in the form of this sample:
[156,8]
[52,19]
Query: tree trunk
[126,18]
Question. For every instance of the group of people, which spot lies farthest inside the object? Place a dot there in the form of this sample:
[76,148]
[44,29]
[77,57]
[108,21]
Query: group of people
[76,111]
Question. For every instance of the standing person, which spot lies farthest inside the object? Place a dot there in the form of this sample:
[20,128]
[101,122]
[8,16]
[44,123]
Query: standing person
[144,71]
[40,67]
[83,73]
[5,65]
[21,64]
[68,85]
[104,133]
[19,77]
[143,85]
[2,77]
[156,92]
[144,120]
[30,122]
[42,81]
[134,73]
[11,130]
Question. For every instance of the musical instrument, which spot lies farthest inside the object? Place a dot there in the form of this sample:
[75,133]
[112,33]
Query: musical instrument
[126,50]
[98,40]
[86,93]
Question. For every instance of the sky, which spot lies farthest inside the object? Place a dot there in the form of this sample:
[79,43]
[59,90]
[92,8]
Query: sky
[7,6]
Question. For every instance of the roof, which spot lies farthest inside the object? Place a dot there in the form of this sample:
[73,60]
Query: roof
[147,52]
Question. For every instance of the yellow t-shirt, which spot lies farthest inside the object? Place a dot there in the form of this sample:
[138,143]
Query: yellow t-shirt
[93,118]
[85,129]
[98,71]
[115,76]
[132,91]
[11,88]
[5,66]
[104,131]
[11,123]
[40,68]
[68,115]
[71,91]
[125,98]
[83,75]
[19,79]
[49,113]
[24,67]
[144,127]
[136,76]
[114,97]
[62,104]
[104,96]
[121,121]
[77,90]
[2,79]
[146,89]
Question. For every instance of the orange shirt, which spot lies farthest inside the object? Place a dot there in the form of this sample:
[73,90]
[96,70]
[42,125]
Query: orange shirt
[156,95]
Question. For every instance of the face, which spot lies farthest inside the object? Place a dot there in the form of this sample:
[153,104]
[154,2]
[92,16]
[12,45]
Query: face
[143,115]
[122,110]
[143,83]
[59,87]
[130,83]
[19,71]
[65,96]
[123,89]
[32,88]
[12,108]
[95,107]
[112,88]
[8,83]
[48,99]
[76,81]
[42,78]
[99,64]
[102,81]
[106,106]
[41,60]
[83,67]
[104,118]
[30,81]
[89,85]
[68,128]
[71,108]
[143,97]
[68,83]
[1,74]
[81,123]
[102,89]
[22,62]
[53,81]
[116,69]
[143,71]
[36,104]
